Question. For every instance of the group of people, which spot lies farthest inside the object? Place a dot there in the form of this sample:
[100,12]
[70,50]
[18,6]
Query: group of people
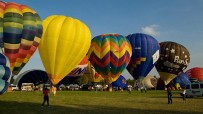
[169,94]
[46,95]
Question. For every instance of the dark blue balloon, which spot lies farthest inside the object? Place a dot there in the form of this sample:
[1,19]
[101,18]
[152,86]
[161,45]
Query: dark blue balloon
[182,79]
[145,53]
[120,82]
[5,73]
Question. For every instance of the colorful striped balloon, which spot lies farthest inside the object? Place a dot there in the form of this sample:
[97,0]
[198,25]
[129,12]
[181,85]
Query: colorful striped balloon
[5,73]
[110,54]
[20,33]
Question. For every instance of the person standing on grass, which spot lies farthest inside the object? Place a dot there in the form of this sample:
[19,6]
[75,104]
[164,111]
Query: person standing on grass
[169,93]
[46,96]
[184,95]
[54,90]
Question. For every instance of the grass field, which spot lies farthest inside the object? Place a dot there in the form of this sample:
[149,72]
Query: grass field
[91,102]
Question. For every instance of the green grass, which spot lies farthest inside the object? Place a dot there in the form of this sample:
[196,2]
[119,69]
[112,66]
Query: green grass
[91,102]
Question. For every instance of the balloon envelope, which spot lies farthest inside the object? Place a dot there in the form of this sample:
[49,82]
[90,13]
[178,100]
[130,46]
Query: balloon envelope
[196,72]
[174,58]
[80,69]
[110,54]
[65,42]
[145,53]
[182,79]
[5,73]
[120,82]
[20,33]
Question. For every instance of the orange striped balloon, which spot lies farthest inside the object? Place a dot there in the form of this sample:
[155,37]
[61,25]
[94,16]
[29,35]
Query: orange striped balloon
[20,33]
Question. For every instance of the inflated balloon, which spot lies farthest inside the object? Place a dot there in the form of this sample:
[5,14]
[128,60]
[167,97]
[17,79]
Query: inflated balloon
[121,82]
[92,75]
[174,58]
[182,79]
[65,42]
[110,54]
[20,33]
[145,53]
[196,72]
[5,73]
[80,69]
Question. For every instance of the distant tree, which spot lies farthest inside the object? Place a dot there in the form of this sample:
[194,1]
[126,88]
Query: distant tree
[130,81]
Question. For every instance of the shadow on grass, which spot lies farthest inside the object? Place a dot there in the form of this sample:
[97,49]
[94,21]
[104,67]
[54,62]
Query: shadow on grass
[35,108]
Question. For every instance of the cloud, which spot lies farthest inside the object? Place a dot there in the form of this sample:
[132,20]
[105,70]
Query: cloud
[151,30]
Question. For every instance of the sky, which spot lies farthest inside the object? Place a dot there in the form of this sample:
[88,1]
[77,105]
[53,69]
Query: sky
[179,21]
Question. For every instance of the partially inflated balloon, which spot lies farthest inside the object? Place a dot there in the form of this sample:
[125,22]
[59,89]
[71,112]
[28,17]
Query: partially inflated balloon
[182,79]
[150,81]
[196,72]
[145,53]
[5,73]
[80,69]
[65,42]
[20,33]
[120,82]
[110,54]
[92,75]
[174,58]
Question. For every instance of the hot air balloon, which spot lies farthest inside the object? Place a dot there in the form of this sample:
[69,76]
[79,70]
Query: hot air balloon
[5,73]
[174,58]
[92,75]
[110,54]
[20,33]
[182,79]
[196,72]
[145,53]
[65,42]
[121,82]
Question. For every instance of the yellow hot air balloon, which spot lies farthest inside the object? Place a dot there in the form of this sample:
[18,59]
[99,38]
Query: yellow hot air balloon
[64,43]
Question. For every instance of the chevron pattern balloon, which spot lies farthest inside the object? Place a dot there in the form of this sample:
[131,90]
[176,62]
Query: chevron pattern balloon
[110,54]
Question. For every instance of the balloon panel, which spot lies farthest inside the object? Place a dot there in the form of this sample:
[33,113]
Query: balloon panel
[80,69]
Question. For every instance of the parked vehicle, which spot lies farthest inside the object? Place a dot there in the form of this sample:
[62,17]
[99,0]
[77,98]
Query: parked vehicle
[14,87]
[27,87]
[194,89]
